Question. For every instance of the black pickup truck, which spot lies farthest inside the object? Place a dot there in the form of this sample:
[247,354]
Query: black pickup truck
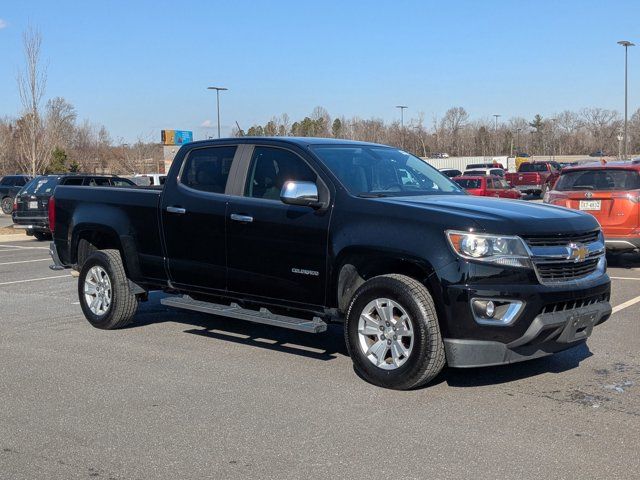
[299,233]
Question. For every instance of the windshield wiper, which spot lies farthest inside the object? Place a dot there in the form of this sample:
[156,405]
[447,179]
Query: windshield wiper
[371,195]
[583,187]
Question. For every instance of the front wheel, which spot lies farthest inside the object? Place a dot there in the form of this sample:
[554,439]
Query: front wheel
[7,205]
[392,333]
[103,289]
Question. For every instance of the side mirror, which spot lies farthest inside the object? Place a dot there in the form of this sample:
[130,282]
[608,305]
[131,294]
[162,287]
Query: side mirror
[300,193]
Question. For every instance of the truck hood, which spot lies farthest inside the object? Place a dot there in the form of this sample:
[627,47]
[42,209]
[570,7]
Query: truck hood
[495,215]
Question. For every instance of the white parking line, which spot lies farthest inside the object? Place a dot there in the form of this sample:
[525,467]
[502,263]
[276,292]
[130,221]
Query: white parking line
[35,279]
[624,278]
[39,260]
[626,304]
[23,248]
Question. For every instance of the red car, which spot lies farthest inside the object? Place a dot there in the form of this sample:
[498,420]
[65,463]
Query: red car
[487,186]
[611,193]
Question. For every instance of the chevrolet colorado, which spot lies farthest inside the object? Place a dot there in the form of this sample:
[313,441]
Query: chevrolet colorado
[299,233]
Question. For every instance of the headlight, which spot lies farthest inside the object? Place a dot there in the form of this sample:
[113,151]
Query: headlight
[498,249]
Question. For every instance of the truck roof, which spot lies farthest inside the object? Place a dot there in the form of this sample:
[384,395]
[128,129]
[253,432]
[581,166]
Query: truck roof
[299,141]
[626,165]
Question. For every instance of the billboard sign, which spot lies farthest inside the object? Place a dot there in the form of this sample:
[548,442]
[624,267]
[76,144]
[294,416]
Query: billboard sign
[176,137]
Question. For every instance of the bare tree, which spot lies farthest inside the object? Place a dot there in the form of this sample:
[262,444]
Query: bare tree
[34,144]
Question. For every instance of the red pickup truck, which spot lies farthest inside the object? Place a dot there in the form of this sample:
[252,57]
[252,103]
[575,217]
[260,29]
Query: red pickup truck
[534,177]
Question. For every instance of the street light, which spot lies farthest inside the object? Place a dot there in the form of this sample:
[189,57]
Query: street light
[626,44]
[402,108]
[218,89]
[496,132]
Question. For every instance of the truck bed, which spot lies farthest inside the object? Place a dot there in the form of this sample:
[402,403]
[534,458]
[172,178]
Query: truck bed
[132,213]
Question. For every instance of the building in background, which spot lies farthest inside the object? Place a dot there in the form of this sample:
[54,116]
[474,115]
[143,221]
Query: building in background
[172,140]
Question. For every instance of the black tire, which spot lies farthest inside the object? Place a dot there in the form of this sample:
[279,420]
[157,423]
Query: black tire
[427,358]
[7,205]
[42,236]
[123,303]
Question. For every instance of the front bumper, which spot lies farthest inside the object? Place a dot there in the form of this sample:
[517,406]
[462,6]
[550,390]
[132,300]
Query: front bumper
[548,333]
[622,244]
[528,188]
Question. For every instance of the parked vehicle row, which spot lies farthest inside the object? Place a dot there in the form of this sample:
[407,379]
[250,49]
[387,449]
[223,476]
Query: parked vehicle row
[300,233]
[10,185]
[30,205]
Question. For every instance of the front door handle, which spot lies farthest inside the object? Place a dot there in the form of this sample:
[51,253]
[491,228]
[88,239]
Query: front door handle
[176,210]
[241,218]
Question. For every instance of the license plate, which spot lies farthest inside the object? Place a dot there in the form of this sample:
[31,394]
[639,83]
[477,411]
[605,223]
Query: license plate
[33,205]
[590,204]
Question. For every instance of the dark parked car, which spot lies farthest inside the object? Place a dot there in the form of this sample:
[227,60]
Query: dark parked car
[10,185]
[299,233]
[30,208]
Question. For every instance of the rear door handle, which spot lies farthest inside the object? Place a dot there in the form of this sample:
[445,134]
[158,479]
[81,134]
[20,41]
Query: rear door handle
[241,218]
[176,210]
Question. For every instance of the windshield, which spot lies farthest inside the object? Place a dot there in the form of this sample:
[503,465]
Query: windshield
[599,180]
[43,185]
[469,183]
[384,171]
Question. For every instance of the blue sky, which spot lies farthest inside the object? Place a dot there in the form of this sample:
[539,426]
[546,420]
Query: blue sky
[140,66]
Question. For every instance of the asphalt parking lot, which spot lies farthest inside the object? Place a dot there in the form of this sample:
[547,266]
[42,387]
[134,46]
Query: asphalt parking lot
[184,395]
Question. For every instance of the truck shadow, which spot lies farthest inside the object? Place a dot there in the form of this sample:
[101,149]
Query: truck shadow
[330,345]
[477,377]
[324,346]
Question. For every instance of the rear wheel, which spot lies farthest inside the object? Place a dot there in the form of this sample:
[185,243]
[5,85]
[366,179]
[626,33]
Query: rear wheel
[7,205]
[392,333]
[103,290]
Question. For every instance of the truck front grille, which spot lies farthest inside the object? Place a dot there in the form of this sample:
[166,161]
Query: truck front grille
[566,271]
[573,304]
[560,239]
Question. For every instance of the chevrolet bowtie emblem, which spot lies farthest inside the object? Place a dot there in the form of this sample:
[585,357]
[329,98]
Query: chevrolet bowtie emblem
[577,252]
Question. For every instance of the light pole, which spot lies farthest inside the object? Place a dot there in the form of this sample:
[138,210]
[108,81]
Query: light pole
[402,108]
[218,89]
[496,116]
[626,44]
[518,130]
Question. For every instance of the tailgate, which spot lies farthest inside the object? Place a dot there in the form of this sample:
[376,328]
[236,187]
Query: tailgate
[526,178]
[617,214]
[32,205]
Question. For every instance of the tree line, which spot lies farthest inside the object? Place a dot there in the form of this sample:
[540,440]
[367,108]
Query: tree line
[455,133]
[48,138]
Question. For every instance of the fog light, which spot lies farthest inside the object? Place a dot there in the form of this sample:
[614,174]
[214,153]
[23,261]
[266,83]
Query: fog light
[490,309]
[495,312]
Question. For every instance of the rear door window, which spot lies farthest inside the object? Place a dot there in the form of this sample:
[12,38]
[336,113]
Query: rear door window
[599,180]
[72,181]
[207,169]
[7,182]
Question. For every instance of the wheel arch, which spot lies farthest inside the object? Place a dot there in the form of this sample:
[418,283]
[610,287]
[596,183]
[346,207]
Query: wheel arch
[356,265]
